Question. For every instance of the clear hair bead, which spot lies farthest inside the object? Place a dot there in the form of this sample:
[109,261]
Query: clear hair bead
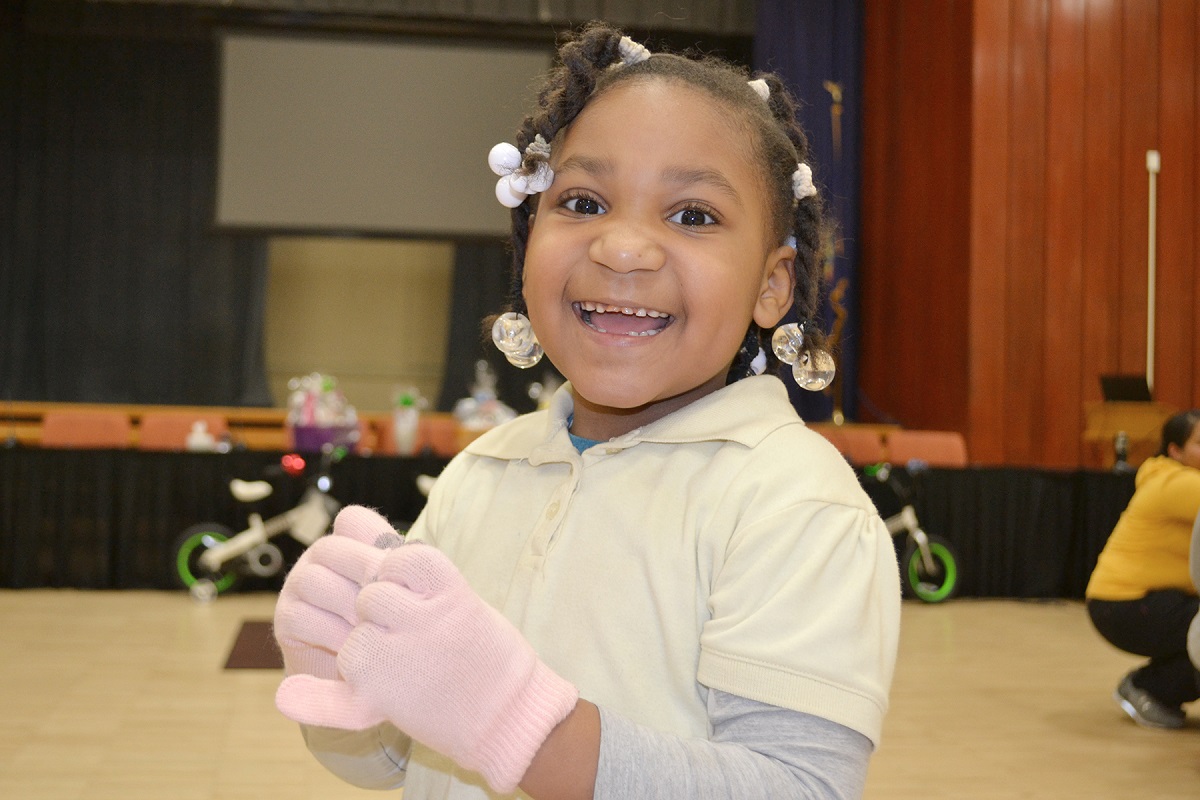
[513,336]
[788,342]
[813,368]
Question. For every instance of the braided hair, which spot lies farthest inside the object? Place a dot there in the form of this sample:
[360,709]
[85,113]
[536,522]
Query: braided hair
[588,67]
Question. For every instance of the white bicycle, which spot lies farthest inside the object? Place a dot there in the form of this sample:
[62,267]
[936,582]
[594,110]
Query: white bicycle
[928,567]
[211,559]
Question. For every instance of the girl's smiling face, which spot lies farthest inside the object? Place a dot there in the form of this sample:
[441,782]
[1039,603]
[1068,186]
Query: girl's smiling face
[649,255]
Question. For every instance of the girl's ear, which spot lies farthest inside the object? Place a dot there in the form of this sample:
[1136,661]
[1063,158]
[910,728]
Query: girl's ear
[1175,451]
[778,289]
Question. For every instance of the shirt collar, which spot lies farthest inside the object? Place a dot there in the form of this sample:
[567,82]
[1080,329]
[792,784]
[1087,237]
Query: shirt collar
[743,412]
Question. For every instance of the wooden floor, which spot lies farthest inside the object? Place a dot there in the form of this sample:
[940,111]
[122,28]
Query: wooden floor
[107,695]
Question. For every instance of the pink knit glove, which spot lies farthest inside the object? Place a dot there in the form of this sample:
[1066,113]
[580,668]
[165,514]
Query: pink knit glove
[441,665]
[315,610]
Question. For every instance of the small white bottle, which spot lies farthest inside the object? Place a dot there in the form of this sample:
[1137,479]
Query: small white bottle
[406,418]
[200,440]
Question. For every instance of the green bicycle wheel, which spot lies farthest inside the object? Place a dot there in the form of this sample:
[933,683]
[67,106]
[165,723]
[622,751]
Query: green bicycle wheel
[192,544]
[936,585]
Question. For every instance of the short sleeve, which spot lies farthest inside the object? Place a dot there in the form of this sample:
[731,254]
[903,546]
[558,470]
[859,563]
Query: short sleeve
[805,614]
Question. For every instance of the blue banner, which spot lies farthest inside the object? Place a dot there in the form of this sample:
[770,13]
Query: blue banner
[815,47]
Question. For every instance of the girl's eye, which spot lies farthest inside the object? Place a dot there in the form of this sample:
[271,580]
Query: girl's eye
[693,217]
[583,205]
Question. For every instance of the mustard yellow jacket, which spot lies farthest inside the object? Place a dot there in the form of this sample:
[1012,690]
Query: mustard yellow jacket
[1148,548]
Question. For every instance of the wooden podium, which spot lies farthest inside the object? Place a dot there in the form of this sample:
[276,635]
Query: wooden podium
[1141,422]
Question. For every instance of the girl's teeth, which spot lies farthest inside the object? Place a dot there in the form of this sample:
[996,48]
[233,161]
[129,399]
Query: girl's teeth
[593,315]
[587,305]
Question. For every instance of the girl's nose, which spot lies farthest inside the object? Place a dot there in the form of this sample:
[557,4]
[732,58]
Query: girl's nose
[626,247]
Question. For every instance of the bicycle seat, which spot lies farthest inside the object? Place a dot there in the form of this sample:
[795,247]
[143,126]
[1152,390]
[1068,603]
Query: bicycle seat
[249,491]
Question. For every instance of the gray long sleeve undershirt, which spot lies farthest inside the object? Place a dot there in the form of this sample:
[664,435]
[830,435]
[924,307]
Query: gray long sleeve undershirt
[756,751]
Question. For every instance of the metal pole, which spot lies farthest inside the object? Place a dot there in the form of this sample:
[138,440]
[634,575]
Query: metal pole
[1153,163]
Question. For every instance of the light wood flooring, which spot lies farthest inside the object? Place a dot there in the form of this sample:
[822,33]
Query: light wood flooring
[107,695]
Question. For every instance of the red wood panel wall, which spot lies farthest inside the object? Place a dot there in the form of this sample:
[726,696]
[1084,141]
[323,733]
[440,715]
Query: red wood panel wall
[1063,315]
[1101,190]
[1005,242]
[987,219]
[1178,293]
[916,177]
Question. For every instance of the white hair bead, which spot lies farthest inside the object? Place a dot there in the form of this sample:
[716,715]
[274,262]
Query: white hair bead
[504,158]
[514,184]
[508,196]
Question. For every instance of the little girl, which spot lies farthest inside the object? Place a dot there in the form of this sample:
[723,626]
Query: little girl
[664,585]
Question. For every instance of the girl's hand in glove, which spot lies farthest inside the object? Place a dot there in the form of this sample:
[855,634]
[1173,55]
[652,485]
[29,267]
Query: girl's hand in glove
[431,657]
[315,611]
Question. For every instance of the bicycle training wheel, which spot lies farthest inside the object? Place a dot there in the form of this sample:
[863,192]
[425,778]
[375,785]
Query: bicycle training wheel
[935,586]
[192,544]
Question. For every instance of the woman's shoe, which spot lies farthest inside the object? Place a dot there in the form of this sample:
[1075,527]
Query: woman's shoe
[1144,708]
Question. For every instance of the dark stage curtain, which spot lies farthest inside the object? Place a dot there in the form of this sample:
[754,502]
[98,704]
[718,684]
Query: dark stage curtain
[816,49]
[113,286]
[110,519]
[1016,533]
[480,289]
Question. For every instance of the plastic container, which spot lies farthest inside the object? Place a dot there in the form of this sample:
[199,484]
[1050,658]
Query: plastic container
[313,438]
[406,422]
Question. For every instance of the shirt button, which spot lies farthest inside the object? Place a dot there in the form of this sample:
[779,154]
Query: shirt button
[612,451]
[552,510]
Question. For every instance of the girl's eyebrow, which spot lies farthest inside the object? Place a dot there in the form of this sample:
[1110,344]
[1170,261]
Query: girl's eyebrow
[687,176]
[596,167]
[682,176]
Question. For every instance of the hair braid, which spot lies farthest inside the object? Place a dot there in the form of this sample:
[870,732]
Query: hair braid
[784,147]
[809,232]
[807,219]
[743,362]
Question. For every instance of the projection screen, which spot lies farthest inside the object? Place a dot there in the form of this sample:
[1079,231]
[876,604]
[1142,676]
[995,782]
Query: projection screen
[340,134]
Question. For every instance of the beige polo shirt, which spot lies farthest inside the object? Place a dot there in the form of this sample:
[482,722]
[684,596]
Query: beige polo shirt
[725,546]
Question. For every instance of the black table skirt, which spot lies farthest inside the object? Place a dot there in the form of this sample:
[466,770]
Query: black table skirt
[1022,533]
[107,519]
[110,519]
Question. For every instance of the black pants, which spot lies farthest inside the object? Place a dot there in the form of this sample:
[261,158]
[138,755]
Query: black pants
[1155,626]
